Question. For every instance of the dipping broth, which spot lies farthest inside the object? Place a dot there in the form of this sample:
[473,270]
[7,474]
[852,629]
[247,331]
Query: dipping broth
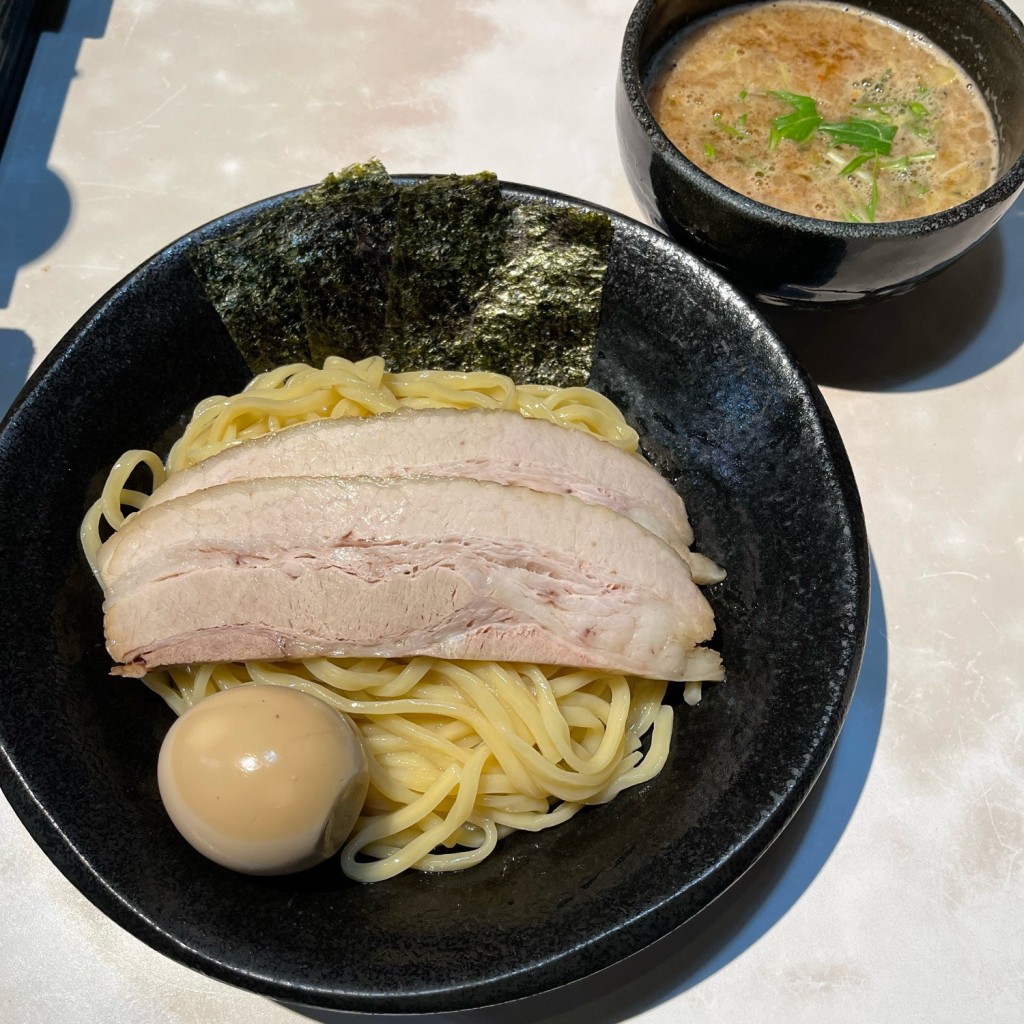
[825,110]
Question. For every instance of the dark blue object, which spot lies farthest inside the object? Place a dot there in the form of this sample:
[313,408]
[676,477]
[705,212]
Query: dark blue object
[721,408]
[783,257]
[21,21]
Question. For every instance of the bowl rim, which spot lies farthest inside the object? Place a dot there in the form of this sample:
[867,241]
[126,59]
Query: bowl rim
[1001,190]
[507,983]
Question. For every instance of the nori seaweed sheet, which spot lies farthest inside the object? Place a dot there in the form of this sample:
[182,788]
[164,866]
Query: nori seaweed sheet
[536,318]
[449,236]
[249,279]
[344,266]
[444,274]
[309,278]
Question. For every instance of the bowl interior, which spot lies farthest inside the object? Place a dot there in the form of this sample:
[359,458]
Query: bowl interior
[721,409]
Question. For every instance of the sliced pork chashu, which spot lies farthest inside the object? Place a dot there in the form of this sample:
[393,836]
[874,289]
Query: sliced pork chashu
[482,444]
[307,566]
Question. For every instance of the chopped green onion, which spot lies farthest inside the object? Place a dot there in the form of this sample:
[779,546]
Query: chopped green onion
[736,133]
[857,161]
[899,164]
[872,205]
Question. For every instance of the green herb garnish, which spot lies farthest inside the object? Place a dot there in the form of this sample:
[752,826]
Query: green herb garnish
[867,136]
[799,125]
[872,138]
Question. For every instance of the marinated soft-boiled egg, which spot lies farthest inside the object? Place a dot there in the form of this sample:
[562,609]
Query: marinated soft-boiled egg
[263,779]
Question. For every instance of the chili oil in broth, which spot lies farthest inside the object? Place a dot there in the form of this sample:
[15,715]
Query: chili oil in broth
[715,87]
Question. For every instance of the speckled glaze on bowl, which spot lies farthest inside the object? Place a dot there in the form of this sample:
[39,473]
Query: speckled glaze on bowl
[788,259]
[722,410]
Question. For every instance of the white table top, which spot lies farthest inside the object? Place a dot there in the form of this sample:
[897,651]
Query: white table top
[896,895]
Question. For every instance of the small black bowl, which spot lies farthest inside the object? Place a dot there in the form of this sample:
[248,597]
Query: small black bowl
[788,259]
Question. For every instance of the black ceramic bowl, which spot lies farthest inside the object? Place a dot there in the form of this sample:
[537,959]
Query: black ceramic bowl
[785,258]
[721,409]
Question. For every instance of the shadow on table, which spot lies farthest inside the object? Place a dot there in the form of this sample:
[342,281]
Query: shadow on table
[949,329]
[737,919]
[35,206]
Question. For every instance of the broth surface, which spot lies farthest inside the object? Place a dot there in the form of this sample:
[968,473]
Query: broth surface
[824,110]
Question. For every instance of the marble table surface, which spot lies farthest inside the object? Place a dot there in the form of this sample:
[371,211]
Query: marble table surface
[896,894]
